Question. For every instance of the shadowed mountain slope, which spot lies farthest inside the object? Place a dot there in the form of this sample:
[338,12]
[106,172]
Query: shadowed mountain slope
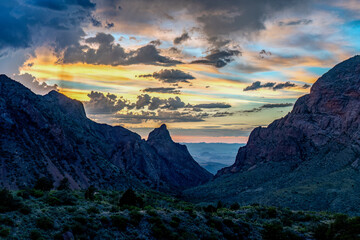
[51,136]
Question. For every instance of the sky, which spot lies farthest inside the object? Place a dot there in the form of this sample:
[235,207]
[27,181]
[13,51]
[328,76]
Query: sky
[211,70]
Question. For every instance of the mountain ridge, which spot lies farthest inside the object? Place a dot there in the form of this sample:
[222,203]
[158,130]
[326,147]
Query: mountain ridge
[51,136]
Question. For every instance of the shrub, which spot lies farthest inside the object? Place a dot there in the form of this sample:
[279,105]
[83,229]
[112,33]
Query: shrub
[210,209]
[136,217]
[64,184]
[235,206]
[44,184]
[44,223]
[58,198]
[8,202]
[90,193]
[35,235]
[36,193]
[119,221]
[6,221]
[92,210]
[129,198]
[4,232]
[25,210]
[175,222]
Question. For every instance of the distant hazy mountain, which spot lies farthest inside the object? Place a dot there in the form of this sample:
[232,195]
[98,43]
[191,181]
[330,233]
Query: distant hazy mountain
[51,136]
[309,159]
[214,156]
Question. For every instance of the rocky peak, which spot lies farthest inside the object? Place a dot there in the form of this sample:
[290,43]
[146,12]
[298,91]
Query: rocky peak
[70,106]
[160,134]
[325,121]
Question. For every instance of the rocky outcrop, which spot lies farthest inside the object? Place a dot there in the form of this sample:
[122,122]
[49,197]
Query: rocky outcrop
[51,136]
[324,122]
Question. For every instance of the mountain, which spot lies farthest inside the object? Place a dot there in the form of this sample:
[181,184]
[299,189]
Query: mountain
[309,159]
[51,136]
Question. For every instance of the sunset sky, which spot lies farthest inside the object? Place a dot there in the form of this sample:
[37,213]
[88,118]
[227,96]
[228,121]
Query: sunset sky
[211,70]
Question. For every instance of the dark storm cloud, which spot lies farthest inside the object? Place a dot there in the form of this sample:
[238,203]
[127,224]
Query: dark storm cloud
[296,22]
[60,5]
[213,105]
[26,24]
[218,58]
[162,90]
[111,53]
[170,76]
[272,85]
[184,37]
[214,17]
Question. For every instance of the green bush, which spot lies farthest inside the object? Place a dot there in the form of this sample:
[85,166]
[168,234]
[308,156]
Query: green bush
[92,210]
[119,222]
[44,223]
[135,217]
[59,198]
[44,184]
[8,202]
[235,206]
[175,222]
[129,198]
[35,235]
[210,209]
[4,232]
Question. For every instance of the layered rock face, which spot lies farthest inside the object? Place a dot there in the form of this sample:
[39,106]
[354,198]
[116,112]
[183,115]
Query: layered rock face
[51,136]
[324,122]
[309,159]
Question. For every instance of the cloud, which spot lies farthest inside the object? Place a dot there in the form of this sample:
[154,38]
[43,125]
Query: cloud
[33,84]
[111,53]
[162,90]
[160,116]
[218,58]
[104,104]
[109,25]
[284,85]
[257,85]
[213,105]
[34,23]
[170,76]
[305,86]
[267,106]
[295,22]
[184,37]
[248,68]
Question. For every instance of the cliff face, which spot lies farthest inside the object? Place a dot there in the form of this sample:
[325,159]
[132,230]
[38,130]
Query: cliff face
[308,160]
[324,122]
[51,136]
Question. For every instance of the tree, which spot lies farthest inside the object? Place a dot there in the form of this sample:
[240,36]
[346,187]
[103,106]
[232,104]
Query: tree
[90,193]
[64,184]
[44,184]
[129,198]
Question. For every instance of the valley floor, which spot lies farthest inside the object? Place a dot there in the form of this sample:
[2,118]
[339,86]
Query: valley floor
[97,214]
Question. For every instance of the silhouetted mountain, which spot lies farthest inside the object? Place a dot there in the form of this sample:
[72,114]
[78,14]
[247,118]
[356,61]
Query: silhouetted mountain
[309,159]
[51,136]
